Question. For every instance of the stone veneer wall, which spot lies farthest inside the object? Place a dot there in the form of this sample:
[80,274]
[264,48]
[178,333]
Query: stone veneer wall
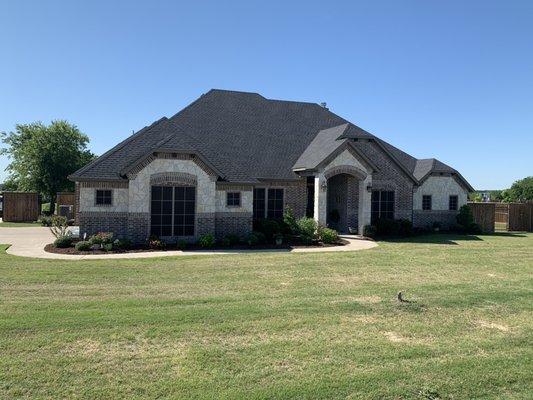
[389,177]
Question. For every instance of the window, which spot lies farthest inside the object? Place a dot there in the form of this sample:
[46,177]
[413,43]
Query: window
[233,199]
[382,205]
[453,203]
[173,210]
[426,202]
[275,203]
[103,198]
[268,203]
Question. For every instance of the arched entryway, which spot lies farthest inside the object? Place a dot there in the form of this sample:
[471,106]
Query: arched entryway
[343,202]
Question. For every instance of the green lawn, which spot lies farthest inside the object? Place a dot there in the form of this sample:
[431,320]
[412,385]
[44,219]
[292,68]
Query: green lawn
[302,326]
[18,224]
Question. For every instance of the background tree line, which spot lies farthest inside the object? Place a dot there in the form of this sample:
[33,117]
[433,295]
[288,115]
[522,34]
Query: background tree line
[520,191]
[42,156]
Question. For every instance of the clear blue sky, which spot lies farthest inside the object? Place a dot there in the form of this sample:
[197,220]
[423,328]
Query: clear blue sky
[445,79]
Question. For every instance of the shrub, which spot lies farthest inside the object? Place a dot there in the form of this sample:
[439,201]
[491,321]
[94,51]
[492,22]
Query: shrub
[465,218]
[108,246]
[290,221]
[252,239]
[102,238]
[233,239]
[45,220]
[278,237]
[405,227]
[370,231]
[307,228]
[206,240]
[267,227]
[155,243]
[122,244]
[328,235]
[225,242]
[59,226]
[63,241]
[388,227]
[84,245]
[182,244]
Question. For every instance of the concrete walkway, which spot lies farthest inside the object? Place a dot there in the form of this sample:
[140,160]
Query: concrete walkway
[30,242]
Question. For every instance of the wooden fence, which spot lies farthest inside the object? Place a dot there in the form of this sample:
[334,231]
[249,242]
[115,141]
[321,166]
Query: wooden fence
[21,206]
[484,215]
[509,216]
[66,204]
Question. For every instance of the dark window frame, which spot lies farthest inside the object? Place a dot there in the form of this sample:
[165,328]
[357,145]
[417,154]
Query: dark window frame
[103,197]
[233,199]
[453,205]
[383,205]
[427,202]
[270,204]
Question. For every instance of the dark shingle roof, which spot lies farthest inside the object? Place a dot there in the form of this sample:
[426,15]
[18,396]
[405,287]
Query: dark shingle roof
[244,136]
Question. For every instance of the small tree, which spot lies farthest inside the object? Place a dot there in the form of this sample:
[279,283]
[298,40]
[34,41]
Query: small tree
[43,156]
[521,190]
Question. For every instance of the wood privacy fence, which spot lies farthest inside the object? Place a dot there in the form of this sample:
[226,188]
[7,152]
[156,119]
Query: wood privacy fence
[514,216]
[484,215]
[66,204]
[21,206]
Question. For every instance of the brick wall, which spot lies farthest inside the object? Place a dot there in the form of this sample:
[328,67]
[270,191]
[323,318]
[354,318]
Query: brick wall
[92,222]
[233,223]
[425,219]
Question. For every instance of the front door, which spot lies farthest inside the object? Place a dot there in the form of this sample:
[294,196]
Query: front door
[172,211]
[337,202]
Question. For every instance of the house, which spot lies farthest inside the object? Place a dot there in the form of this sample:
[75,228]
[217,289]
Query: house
[231,157]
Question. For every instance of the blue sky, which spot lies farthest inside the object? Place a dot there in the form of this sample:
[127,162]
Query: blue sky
[446,79]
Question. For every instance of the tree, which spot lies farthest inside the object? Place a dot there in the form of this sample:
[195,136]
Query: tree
[43,156]
[521,190]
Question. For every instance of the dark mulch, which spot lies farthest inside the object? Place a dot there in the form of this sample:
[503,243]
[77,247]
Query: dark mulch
[192,247]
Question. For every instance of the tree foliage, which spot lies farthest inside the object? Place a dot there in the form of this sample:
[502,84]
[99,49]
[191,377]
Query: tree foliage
[521,190]
[42,156]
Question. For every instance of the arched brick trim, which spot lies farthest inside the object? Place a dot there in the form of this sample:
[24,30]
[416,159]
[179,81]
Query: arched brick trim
[170,156]
[173,178]
[345,169]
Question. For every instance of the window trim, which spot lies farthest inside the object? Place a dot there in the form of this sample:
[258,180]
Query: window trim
[97,204]
[239,199]
[456,197]
[424,196]
[173,214]
[266,188]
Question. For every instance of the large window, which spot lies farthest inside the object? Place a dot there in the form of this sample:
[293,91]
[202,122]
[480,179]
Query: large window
[103,198]
[426,202]
[173,210]
[382,205]
[268,203]
[275,203]
[453,203]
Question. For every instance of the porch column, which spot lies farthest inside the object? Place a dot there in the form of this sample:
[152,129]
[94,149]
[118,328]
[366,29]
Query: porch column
[365,203]
[321,196]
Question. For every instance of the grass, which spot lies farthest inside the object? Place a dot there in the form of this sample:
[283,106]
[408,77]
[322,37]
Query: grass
[18,224]
[302,326]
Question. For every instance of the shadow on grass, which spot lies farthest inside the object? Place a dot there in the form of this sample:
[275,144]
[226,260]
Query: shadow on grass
[508,234]
[436,238]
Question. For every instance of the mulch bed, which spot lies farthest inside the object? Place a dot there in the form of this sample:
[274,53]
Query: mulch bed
[192,247]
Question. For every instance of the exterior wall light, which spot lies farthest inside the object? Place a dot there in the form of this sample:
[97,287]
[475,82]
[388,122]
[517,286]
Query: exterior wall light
[369,188]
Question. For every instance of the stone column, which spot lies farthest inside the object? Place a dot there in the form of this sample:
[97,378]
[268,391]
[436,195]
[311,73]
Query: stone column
[321,198]
[365,203]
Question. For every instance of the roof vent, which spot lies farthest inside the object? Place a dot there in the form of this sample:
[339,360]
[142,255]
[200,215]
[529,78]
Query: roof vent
[324,105]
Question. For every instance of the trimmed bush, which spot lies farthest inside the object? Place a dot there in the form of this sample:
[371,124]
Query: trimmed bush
[108,246]
[267,227]
[84,245]
[63,242]
[122,244]
[290,221]
[405,227]
[307,228]
[387,227]
[465,218]
[155,243]
[370,231]
[102,238]
[45,220]
[225,242]
[207,240]
[233,239]
[328,235]
[182,244]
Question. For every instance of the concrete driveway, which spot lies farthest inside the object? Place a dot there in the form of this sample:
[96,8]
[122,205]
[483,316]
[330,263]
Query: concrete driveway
[30,242]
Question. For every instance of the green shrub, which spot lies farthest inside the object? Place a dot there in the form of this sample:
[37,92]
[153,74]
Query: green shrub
[182,244]
[225,242]
[465,218]
[108,246]
[307,228]
[290,221]
[45,220]
[59,226]
[233,239]
[207,240]
[370,231]
[387,227]
[405,227]
[84,245]
[267,227]
[102,238]
[122,244]
[63,241]
[252,239]
[328,235]
[278,237]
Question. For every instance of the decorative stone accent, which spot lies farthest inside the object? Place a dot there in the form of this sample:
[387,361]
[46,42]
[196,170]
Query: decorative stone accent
[233,223]
[172,179]
[345,169]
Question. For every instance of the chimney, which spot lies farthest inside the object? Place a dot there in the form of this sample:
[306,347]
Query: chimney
[324,105]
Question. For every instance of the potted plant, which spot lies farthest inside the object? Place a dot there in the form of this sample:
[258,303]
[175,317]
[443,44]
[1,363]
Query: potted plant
[436,226]
[278,238]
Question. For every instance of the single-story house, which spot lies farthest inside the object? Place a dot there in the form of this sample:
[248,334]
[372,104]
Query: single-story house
[231,157]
